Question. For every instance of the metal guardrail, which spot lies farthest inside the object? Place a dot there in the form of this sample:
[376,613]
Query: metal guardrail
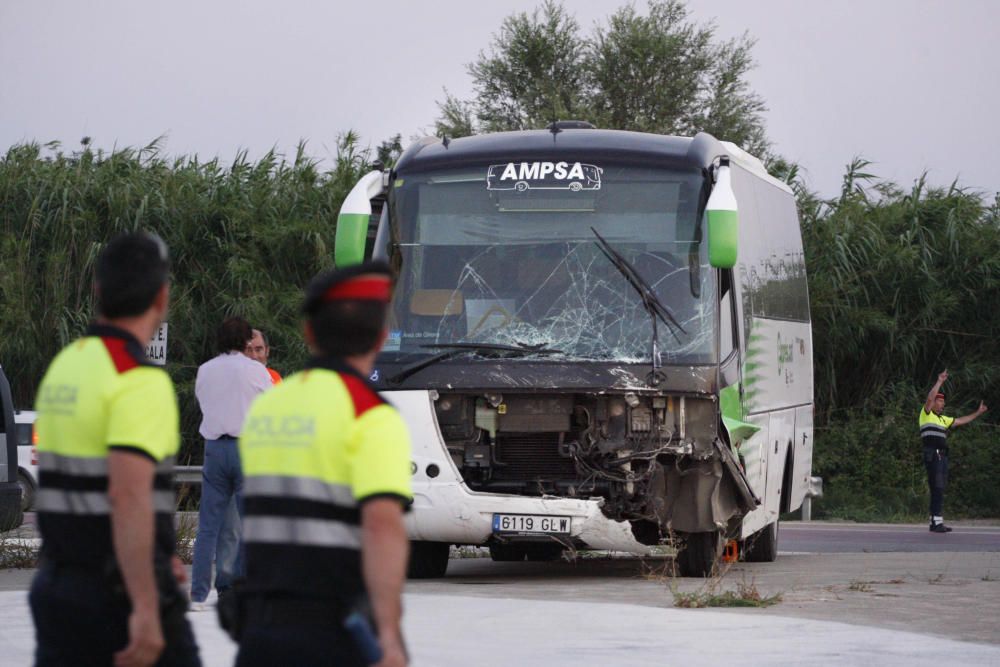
[187,474]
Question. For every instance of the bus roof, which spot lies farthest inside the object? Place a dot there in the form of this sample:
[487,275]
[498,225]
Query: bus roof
[585,145]
[570,144]
[753,165]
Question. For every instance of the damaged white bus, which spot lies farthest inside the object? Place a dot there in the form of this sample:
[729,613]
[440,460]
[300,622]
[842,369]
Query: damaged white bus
[599,340]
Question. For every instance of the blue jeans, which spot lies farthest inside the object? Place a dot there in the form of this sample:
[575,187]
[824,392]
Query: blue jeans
[222,480]
[227,550]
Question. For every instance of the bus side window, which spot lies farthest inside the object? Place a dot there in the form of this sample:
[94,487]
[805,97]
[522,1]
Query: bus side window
[727,330]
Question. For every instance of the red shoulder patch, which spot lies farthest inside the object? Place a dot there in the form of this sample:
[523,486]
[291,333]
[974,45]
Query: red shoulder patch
[121,357]
[364,398]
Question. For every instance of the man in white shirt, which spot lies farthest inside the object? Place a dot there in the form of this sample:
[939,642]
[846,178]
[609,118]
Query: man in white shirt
[225,388]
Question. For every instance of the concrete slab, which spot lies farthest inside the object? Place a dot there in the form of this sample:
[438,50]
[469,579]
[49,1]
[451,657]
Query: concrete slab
[460,631]
[954,595]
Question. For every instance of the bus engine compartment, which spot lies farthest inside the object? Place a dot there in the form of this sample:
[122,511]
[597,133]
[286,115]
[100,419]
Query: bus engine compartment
[655,459]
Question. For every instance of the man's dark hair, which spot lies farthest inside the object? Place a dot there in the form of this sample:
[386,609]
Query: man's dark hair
[233,334]
[263,337]
[346,327]
[130,270]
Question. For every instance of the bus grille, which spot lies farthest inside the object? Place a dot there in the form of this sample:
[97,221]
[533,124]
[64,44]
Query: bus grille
[531,456]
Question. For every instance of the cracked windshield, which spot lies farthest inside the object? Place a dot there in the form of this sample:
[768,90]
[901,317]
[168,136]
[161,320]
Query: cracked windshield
[504,254]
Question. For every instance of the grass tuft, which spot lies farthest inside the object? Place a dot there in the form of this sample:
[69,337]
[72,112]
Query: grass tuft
[745,595]
[17,553]
[860,586]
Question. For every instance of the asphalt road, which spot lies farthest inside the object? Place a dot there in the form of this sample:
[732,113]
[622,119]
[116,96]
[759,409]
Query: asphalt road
[830,538]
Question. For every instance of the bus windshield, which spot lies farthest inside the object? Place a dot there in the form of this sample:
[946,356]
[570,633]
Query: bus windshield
[505,254]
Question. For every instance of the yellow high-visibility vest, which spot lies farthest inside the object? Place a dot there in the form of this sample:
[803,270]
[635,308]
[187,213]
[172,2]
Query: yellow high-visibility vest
[934,428]
[313,450]
[101,393]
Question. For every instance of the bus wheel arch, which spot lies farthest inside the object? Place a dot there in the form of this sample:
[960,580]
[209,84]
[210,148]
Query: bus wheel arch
[785,502]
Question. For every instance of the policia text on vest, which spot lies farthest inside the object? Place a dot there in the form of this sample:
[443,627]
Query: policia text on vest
[934,428]
[108,586]
[326,466]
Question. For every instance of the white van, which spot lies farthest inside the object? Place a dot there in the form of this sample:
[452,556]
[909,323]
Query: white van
[27,462]
[11,514]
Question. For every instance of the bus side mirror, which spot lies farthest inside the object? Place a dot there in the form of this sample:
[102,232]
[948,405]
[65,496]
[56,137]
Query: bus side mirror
[722,220]
[352,223]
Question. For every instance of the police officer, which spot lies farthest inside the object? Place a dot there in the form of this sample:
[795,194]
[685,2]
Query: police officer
[107,591]
[933,433]
[326,466]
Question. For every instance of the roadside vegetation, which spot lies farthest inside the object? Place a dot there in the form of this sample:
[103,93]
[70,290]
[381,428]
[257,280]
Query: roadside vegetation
[18,553]
[245,237]
[904,282]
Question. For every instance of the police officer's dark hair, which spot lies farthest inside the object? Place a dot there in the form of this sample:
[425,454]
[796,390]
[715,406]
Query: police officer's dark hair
[233,334]
[130,271]
[345,327]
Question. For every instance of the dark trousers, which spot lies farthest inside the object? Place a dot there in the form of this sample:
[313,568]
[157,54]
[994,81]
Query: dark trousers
[936,462]
[292,634]
[80,622]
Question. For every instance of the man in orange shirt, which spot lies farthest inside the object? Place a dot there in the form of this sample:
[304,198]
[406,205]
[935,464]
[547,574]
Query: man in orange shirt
[259,350]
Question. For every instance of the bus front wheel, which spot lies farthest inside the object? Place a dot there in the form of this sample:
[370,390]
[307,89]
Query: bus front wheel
[428,560]
[700,554]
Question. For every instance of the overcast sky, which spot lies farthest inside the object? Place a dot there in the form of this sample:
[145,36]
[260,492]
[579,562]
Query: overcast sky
[912,85]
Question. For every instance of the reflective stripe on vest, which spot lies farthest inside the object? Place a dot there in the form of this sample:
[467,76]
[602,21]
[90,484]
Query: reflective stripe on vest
[88,467]
[933,430]
[305,488]
[73,465]
[91,503]
[302,532]
[933,427]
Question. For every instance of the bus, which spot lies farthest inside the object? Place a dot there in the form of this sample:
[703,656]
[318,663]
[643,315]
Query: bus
[598,339]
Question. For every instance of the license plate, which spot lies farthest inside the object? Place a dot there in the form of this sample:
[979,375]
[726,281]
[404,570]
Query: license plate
[531,524]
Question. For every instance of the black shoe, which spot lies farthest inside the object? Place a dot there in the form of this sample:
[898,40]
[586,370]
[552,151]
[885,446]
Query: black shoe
[939,528]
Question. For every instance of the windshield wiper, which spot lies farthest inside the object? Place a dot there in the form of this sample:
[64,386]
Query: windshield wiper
[650,301]
[455,349]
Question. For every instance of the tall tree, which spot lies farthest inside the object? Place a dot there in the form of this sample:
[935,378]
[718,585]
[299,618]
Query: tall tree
[532,75]
[654,72]
[650,71]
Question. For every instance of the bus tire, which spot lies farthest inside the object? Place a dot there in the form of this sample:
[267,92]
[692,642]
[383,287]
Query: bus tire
[428,560]
[762,546]
[505,552]
[27,490]
[11,515]
[700,554]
